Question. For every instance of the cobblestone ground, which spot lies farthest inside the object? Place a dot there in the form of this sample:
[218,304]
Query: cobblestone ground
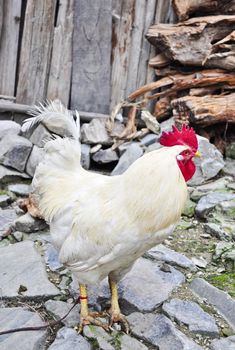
[179,295]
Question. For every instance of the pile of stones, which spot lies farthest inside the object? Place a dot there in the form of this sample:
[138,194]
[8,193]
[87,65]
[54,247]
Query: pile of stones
[179,295]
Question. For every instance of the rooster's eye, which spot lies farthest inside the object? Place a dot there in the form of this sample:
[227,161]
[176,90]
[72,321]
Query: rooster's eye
[187,153]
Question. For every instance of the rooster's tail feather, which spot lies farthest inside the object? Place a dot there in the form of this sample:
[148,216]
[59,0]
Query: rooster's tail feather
[56,118]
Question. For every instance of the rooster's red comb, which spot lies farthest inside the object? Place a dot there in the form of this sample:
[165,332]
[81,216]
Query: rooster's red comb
[186,136]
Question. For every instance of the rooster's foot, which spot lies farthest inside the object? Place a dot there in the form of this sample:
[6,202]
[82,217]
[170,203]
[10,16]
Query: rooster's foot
[117,317]
[91,319]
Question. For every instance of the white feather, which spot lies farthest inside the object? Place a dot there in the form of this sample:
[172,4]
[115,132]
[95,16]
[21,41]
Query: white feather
[56,118]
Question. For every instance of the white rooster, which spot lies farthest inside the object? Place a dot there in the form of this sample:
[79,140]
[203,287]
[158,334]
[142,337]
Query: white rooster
[102,224]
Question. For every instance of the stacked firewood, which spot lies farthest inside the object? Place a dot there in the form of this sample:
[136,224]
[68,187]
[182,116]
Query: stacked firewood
[195,68]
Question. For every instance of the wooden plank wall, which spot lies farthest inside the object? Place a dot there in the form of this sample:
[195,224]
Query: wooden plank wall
[88,53]
[90,89]
[9,33]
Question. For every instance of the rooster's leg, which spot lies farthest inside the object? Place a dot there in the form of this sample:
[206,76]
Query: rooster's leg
[87,317]
[115,312]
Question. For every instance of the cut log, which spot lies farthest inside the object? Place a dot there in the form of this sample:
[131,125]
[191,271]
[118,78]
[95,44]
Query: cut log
[61,61]
[162,108]
[90,89]
[208,90]
[159,61]
[191,42]
[172,70]
[35,51]
[208,110]
[222,53]
[187,8]
[10,12]
[179,82]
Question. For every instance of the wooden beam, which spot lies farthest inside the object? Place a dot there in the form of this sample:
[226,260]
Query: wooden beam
[24,109]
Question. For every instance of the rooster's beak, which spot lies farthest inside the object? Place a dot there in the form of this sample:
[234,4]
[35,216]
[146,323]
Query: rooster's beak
[197,154]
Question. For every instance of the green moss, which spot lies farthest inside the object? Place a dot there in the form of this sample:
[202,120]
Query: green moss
[116,341]
[2,192]
[224,281]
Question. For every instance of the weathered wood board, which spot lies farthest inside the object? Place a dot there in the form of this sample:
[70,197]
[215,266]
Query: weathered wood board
[123,17]
[61,60]
[10,12]
[36,51]
[90,89]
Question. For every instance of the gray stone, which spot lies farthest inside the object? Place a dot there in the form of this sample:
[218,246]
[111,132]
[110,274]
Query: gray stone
[209,164]
[130,343]
[26,223]
[7,217]
[41,236]
[160,252]
[221,248]
[9,175]
[85,156]
[5,200]
[124,146]
[22,272]
[189,209]
[149,139]
[167,124]
[20,189]
[14,152]
[208,202]
[40,135]
[150,121]
[230,150]
[9,127]
[137,290]
[35,157]
[217,185]
[227,208]
[155,146]
[52,258]
[192,315]
[158,330]
[95,148]
[132,153]
[95,132]
[105,156]
[200,262]
[229,168]
[223,344]
[226,252]
[17,317]
[216,231]
[221,300]
[18,236]
[68,339]
[231,186]
[102,338]
[59,309]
